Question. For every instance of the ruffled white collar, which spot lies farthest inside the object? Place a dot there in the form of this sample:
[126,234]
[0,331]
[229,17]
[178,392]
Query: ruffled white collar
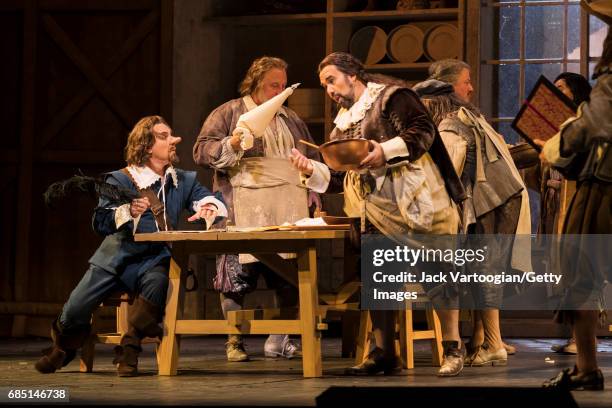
[145,177]
[348,117]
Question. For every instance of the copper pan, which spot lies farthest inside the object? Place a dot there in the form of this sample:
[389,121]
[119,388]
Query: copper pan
[343,154]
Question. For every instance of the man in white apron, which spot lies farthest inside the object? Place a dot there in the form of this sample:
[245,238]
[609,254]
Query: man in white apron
[260,188]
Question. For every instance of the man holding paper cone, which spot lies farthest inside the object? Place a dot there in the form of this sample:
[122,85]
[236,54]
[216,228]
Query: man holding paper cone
[247,141]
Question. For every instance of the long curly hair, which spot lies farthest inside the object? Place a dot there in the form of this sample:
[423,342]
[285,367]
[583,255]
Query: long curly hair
[141,140]
[257,70]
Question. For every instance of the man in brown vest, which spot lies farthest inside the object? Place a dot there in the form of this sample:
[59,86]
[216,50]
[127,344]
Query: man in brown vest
[406,184]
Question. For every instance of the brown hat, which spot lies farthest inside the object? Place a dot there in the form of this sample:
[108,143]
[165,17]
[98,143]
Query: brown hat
[599,8]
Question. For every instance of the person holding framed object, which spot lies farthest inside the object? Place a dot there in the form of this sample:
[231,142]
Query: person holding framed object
[582,151]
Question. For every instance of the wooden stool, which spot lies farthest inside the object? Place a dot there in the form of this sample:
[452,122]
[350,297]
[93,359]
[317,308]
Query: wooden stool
[404,346]
[120,301]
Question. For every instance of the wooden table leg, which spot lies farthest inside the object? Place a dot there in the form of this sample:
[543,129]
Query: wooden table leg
[168,350]
[309,298]
[436,343]
[362,348]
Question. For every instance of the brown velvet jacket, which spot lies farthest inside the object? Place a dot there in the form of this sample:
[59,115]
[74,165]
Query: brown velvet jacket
[399,112]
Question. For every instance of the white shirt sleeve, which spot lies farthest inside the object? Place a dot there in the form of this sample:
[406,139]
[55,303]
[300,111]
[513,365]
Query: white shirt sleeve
[229,157]
[395,147]
[320,178]
[221,208]
[122,215]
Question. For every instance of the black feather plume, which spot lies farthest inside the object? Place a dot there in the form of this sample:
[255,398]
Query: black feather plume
[95,187]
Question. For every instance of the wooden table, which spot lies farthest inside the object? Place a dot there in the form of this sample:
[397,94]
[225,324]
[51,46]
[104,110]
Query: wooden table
[265,246]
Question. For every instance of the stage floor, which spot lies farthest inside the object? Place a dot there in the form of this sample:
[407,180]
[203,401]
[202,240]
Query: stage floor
[206,378]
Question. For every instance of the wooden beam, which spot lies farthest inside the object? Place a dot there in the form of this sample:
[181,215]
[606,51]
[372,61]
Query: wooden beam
[239,317]
[61,119]
[286,268]
[24,194]
[460,17]
[111,66]
[325,309]
[168,350]
[584,42]
[471,51]
[262,19]
[527,4]
[115,101]
[294,239]
[346,291]
[223,327]
[309,301]
[166,53]
[329,48]
[437,14]
[517,61]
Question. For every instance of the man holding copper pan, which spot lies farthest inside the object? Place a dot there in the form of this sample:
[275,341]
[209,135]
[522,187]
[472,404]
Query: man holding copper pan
[405,185]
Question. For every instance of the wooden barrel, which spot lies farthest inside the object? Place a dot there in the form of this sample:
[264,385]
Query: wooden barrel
[405,43]
[441,42]
[369,44]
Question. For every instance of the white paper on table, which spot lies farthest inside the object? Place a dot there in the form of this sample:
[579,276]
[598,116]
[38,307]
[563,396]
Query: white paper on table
[310,222]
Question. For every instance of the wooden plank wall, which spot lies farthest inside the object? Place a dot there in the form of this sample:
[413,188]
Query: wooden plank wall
[77,77]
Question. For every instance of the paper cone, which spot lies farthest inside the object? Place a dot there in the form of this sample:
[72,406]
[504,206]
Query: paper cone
[258,119]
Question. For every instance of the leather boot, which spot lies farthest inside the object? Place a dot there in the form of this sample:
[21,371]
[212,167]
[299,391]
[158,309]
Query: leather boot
[63,350]
[453,359]
[126,354]
[234,349]
[485,356]
[376,362]
[143,321]
[144,316]
[572,380]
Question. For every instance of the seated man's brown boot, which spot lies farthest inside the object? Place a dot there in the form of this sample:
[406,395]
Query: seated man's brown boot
[126,355]
[63,350]
[145,317]
[143,321]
